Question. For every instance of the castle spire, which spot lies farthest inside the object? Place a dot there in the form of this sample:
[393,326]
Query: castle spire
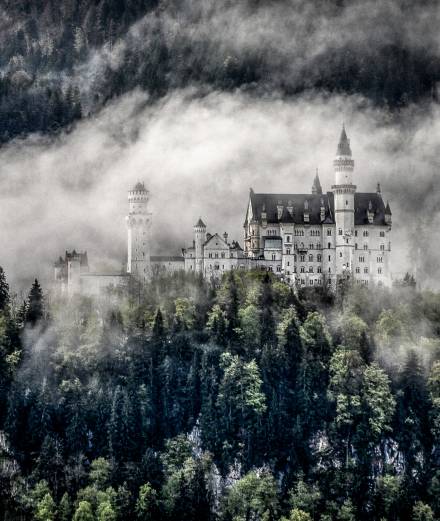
[316,187]
[344,144]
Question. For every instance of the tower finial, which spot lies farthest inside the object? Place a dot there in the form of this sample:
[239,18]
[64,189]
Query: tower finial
[316,187]
[344,144]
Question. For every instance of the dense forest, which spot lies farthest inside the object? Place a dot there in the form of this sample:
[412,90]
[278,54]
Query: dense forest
[61,61]
[236,401]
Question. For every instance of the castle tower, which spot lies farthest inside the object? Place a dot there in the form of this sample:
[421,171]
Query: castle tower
[138,225]
[344,191]
[199,239]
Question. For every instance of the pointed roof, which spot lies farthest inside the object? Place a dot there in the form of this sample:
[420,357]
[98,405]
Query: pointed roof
[139,187]
[387,209]
[200,223]
[344,144]
[316,187]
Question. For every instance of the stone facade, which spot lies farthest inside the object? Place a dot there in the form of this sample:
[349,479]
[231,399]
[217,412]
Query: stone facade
[306,239]
[314,239]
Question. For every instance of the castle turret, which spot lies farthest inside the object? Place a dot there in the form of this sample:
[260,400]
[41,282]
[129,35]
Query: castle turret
[344,191]
[139,225]
[316,187]
[199,240]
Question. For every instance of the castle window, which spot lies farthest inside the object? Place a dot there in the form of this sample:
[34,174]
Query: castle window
[329,231]
[355,245]
[346,203]
[318,258]
[379,271]
[382,234]
[210,255]
[340,254]
[379,259]
[278,268]
[288,238]
[288,263]
[365,246]
[329,270]
[318,269]
[365,270]
[302,269]
[329,258]
[311,282]
[302,258]
[273,256]
[340,231]
[358,270]
[382,247]
[223,255]
[361,259]
[310,269]
[365,234]
[288,251]
[311,246]
[318,246]
[310,258]
[270,268]
[294,257]
[294,269]
[355,233]
[216,255]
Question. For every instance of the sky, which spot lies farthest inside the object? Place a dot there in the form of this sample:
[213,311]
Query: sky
[200,150]
[198,156]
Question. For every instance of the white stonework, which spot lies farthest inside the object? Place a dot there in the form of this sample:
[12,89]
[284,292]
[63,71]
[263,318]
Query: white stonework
[315,239]
[305,239]
[139,226]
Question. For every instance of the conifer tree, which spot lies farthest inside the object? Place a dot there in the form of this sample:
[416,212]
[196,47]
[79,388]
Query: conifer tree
[35,305]
[4,291]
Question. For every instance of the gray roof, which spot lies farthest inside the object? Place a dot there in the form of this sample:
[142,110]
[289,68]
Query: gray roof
[200,223]
[166,258]
[269,203]
[344,144]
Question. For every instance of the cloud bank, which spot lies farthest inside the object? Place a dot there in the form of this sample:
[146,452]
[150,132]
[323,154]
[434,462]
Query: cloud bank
[199,155]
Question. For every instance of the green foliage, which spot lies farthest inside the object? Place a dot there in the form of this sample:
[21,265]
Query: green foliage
[254,496]
[83,512]
[119,411]
[46,509]
[422,512]
[147,503]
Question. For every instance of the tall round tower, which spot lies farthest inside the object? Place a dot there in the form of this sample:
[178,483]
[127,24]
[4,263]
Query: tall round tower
[199,240]
[344,191]
[139,225]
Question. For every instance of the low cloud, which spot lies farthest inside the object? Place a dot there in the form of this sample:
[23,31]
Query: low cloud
[198,155]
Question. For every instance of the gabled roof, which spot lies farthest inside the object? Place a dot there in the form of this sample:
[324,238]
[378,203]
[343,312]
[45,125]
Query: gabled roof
[298,201]
[217,237]
[270,203]
[362,207]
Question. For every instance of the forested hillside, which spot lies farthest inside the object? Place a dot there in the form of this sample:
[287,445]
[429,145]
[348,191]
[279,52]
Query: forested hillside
[60,61]
[237,402]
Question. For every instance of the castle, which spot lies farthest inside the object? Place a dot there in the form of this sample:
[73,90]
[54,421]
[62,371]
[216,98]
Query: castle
[306,239]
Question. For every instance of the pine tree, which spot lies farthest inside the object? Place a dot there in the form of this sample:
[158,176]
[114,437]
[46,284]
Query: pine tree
[35,305]
[4,292]
[266,317]
[158,326]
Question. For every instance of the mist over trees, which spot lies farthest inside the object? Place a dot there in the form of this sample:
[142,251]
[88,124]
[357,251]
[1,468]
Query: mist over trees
[61,61]
[237,401]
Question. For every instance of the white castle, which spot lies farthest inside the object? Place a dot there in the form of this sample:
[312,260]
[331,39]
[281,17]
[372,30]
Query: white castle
[306,239]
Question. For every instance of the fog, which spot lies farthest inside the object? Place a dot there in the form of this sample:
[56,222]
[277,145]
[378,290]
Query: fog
[198,156]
